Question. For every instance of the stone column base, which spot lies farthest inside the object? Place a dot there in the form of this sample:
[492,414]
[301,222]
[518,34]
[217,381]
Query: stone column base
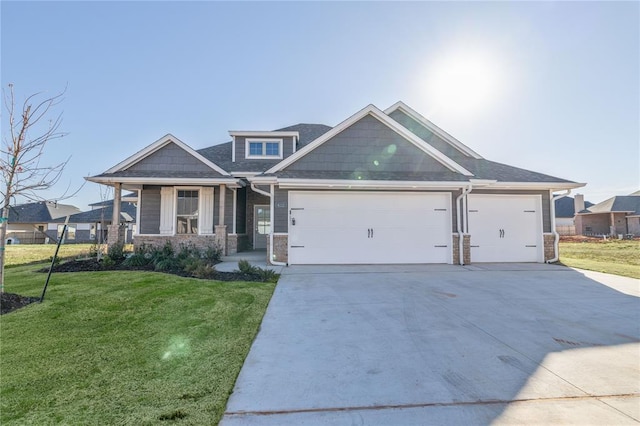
[281,249]
[549,251]
[115,234]
[221,238]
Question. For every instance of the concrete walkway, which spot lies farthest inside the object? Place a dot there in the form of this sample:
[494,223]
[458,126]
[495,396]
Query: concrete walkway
[256,258]
[442,344]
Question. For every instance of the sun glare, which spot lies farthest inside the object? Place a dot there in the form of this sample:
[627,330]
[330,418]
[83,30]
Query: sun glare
[463,83]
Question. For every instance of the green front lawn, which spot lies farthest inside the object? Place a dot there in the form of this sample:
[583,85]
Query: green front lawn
[619,257]
[124,347]
[20,254]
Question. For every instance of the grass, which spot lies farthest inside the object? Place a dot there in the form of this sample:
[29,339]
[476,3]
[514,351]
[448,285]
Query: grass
[124,347]
[20,254]
[619,257]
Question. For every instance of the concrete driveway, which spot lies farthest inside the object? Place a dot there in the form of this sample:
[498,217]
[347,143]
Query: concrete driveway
[442,344]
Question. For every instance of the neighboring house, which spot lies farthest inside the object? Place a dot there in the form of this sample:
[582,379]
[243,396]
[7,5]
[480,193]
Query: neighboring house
[28,222]
[380,187]
[566,208]
[92,226]
[618,215]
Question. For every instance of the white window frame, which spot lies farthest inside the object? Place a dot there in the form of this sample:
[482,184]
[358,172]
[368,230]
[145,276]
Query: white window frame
[175,208]
[264,142]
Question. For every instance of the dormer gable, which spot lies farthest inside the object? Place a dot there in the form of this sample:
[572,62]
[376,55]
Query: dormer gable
[263,145]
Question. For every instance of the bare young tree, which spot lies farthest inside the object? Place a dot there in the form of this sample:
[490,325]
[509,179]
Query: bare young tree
[30,128]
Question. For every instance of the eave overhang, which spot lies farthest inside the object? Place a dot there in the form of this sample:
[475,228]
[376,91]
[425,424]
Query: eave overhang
[172,181]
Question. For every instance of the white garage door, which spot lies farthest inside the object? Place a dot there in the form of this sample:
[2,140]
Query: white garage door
[367,227]
[505,228]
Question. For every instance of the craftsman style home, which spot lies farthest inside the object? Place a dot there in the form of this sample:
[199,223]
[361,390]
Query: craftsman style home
[380,187]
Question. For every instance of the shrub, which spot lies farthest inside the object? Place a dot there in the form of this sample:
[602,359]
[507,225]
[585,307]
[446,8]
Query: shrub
[267,275]
[247,268]
[212,253]
[137,260]
[115,252]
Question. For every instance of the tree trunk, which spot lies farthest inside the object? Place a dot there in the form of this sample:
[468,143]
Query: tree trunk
[4,222]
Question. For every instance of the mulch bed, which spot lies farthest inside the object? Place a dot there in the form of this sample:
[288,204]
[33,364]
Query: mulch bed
[92,265]
[10,302]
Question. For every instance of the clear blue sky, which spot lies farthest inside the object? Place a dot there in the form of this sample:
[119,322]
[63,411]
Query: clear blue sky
[546,86]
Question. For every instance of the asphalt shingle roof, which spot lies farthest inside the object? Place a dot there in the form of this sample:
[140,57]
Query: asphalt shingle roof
[565,206]
[620,203]
[104,213]
[40,212]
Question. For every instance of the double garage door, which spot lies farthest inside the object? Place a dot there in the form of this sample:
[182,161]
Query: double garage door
[369,228]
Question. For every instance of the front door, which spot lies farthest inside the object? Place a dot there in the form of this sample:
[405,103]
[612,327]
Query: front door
[261,226]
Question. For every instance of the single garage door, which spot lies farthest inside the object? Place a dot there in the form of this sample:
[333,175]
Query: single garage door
[369,227]
[505,228]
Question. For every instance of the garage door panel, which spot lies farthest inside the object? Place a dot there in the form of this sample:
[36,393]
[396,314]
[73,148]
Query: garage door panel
[361,227]
[505,228]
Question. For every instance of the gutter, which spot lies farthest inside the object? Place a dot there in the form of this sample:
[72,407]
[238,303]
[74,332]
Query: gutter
[464,193]
[271,197]
[556,236]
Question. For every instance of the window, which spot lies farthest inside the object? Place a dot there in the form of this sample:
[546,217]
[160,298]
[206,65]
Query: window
[264,148]
[187,212]
[70,234]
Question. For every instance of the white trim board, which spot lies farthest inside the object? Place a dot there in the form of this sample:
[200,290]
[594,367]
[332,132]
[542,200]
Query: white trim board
[391,123]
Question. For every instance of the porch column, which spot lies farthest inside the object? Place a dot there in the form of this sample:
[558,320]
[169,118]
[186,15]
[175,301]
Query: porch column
[115,233]
[221,228]
[117,197]
[223,193]
[612,225]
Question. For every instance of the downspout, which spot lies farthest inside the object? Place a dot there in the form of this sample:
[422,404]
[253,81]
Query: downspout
[465,191]
[271,208]
[556,236]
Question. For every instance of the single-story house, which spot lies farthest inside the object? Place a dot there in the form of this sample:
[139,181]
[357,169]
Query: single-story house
[619,215]
[92,225]
[27,223]
[566,209]
[380,187]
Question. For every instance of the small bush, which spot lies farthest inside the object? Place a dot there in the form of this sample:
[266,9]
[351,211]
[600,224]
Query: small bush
[267,275]
[108,262]
[247,268]
[137,260]
[212,253]
[116,253]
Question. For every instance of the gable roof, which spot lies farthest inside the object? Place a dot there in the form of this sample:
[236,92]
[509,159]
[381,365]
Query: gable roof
[620,203]
[40,212]
[156,146]
[389,122]
[410,112]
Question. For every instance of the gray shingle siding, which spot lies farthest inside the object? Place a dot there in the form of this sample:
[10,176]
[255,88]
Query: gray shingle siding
[426,135]
[170,158]
[150,210]
[367,146]
[281,210]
